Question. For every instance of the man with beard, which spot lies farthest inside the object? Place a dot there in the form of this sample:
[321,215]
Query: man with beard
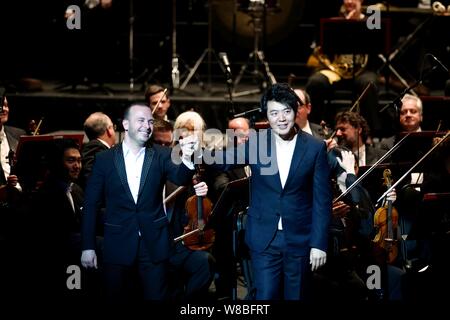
[352,132]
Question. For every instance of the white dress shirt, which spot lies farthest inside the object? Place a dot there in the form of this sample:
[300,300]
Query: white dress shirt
[362,155]
[285,152]
[133,167]
[4,151]
[307,128]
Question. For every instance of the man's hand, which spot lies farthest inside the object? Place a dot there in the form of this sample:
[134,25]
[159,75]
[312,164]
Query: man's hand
[331,143]
[89,259]
[391,196]
[201,189]
[188,146]
[317,258]
[348,162]
[12,180]
[340,209]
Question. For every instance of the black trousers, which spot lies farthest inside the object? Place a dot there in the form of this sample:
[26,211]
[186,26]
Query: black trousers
[152,278]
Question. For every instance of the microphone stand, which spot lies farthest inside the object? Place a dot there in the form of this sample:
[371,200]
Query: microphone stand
[397,101]
[131,46]
[230,87]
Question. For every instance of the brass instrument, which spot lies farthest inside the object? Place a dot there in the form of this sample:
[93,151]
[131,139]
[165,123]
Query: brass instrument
[342,64]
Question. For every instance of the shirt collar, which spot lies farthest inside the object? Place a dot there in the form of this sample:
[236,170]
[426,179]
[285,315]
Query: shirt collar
[104,142]
[281,141]
[126,150]
[307,128]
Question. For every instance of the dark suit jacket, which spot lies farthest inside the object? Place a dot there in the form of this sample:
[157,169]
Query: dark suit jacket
[304,203]
[373,154]
[54,220]
[88,153]
[317,130]
[13,135]
[124,218]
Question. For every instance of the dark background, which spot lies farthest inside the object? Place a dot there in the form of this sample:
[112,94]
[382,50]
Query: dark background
[35,43]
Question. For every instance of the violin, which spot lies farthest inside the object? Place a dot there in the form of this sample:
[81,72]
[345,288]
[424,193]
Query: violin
[198,210]
[33,127]
[386,223]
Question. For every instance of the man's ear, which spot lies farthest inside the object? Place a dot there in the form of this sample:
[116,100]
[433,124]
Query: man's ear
[109,131]
[308,107]
[125,124]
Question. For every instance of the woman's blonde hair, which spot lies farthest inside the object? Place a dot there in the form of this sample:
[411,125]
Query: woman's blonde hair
[191,121]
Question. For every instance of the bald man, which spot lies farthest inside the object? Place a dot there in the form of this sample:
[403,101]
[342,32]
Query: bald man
[100,131]
[241,127]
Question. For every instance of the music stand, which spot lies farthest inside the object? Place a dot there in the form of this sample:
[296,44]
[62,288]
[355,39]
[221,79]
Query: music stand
[346,36]
[234,200]
[31,154]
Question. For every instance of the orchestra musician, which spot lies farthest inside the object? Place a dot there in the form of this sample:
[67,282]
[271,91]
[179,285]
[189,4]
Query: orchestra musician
[191,270]
[353,132]
[340,71]
[9,139]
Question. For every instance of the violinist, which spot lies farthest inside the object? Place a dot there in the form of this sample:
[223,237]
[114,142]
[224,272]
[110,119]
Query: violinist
[351,233]
[159,101]
[10,193]
[410,119]
[9,138]
[190,270]
[343,277]
[353,132]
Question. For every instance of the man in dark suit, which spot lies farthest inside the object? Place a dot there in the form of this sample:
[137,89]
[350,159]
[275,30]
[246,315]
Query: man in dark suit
[9,138]
[101,134]
[290,206]
[130,179]
[56,216]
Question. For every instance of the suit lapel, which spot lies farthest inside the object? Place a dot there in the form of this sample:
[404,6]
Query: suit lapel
[13,140]
[145,168]
[299,153]
[272,154]
[119,162]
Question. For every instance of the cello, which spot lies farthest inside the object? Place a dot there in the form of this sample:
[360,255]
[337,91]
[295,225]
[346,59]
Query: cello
[386,223]
[198,210]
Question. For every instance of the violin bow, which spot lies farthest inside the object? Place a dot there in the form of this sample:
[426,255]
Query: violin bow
[387,154]
[159,101]
[333,134]
[415,165]
[35,132]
